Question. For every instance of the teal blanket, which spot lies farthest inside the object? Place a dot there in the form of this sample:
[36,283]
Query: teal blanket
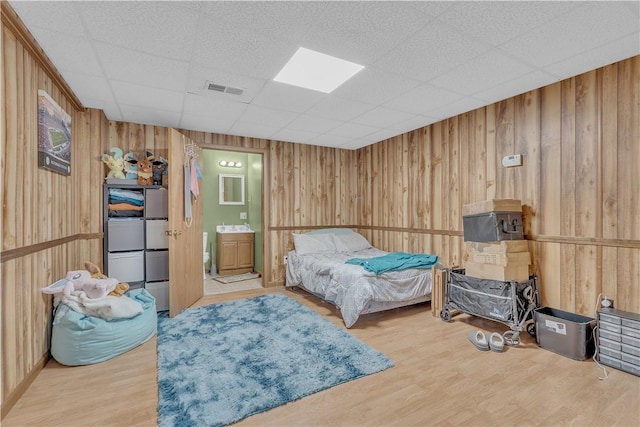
[395,261]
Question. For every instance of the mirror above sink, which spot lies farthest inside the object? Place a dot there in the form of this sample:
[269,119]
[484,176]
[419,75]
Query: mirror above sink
[231,189]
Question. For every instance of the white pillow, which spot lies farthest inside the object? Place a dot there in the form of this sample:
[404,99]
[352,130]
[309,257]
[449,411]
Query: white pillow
[351,242]
[311,244]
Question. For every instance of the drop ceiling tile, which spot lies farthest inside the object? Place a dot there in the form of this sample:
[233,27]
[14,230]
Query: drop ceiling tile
[516,86]
[147,97]
[460,106]
[156,28]
[334,107]
[592,25]
[382,117]
[282,96]
[609,53]
[353,130]
[362,31]
[383,134]
[204,124]
[374,86]
[422,99]
[290,135]
[88,87]
[267,116]
[430,52]
[255,130]
[149,116]
[204,106]
[314,124]
[140,68]
[246,52]
[277,20]
[481,73]
[69,53]
[62,13]
[354,144]
[496,22]
[415,122]
[330,140]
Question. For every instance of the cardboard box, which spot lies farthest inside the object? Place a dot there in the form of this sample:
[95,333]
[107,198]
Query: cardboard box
[493,205]
[503,260]
[517,272]
[501,247]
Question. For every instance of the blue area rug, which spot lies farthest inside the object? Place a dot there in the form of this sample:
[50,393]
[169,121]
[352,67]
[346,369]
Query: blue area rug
[221,363]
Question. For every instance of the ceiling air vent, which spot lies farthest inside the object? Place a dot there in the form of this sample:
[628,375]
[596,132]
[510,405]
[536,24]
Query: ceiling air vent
[224,89]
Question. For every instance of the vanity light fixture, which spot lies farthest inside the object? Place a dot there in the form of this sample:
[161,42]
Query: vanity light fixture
[230,164]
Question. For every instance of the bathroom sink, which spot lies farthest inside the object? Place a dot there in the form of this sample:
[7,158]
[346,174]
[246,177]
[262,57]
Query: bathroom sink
[234,229]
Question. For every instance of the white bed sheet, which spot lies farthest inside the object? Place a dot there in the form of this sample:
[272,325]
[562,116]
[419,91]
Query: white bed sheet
[351,287]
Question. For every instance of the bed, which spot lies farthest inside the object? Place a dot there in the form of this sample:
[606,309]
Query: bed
[319,266]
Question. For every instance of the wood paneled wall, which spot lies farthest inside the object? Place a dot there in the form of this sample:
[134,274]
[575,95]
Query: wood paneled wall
[579,184]
[51,223]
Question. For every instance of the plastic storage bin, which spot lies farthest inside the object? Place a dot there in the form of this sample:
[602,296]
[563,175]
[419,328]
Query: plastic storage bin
[157,265]
[160,291]
[156,203]
[126,266]
[125,235]
[565,333]
[156,237]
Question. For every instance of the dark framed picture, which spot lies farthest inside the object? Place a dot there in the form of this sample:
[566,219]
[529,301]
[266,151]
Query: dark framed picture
[54,135]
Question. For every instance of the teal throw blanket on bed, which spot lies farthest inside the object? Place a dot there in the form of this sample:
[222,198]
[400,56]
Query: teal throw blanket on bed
[395,261]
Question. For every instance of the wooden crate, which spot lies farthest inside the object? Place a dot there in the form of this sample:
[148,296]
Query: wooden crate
[492,205]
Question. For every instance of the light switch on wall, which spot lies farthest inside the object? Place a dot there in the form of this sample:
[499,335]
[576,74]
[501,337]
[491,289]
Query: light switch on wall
[243,215]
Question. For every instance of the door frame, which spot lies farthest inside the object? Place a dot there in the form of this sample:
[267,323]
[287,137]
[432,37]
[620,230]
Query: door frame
[266,204]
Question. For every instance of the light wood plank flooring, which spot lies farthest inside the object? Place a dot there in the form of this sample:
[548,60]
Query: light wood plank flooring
[439,379]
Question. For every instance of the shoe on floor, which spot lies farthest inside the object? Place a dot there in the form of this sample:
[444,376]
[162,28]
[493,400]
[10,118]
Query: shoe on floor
[479,340]
[496,342]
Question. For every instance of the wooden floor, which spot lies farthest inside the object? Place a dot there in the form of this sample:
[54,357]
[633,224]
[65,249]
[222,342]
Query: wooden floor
[439,379]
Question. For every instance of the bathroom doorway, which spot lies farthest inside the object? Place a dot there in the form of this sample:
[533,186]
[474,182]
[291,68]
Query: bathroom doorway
[242,213]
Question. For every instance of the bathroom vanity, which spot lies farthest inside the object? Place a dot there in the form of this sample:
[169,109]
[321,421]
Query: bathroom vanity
[235,252]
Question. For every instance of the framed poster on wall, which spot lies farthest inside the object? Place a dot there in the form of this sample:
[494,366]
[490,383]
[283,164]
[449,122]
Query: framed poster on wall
[54,135]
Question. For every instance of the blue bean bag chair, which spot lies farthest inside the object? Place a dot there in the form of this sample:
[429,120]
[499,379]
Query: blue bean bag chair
[79,339]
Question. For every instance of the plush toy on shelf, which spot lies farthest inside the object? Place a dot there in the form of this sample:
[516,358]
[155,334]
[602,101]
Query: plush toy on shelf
[130,166]
[115,163]
[145,172]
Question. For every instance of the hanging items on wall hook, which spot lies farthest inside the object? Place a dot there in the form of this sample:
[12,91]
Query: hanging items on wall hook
[192,174]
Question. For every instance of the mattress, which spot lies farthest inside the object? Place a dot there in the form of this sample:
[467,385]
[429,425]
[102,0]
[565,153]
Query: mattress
[353,289]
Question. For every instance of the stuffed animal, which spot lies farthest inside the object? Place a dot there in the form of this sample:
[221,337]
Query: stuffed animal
[130,166]
[145,172]
[159,167]
[120,288]
[81,280]
[115,163]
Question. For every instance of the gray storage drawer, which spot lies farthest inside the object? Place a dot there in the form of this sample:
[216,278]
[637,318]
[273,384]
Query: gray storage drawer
[126,266]
[156,233]
[619,343]
[157,265]
[125,235]
[156,203]
[492,227]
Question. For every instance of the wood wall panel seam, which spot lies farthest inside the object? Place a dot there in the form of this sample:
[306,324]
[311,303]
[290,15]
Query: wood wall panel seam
[31,249]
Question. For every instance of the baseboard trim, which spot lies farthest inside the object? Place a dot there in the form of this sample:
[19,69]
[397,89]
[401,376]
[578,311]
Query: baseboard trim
[21,388]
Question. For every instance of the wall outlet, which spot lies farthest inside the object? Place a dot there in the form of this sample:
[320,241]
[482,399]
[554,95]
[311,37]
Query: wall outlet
[243,215]
[286,259]
[606,302]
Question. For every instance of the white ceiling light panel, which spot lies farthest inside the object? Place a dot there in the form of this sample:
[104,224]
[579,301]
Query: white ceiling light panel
[316,71]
